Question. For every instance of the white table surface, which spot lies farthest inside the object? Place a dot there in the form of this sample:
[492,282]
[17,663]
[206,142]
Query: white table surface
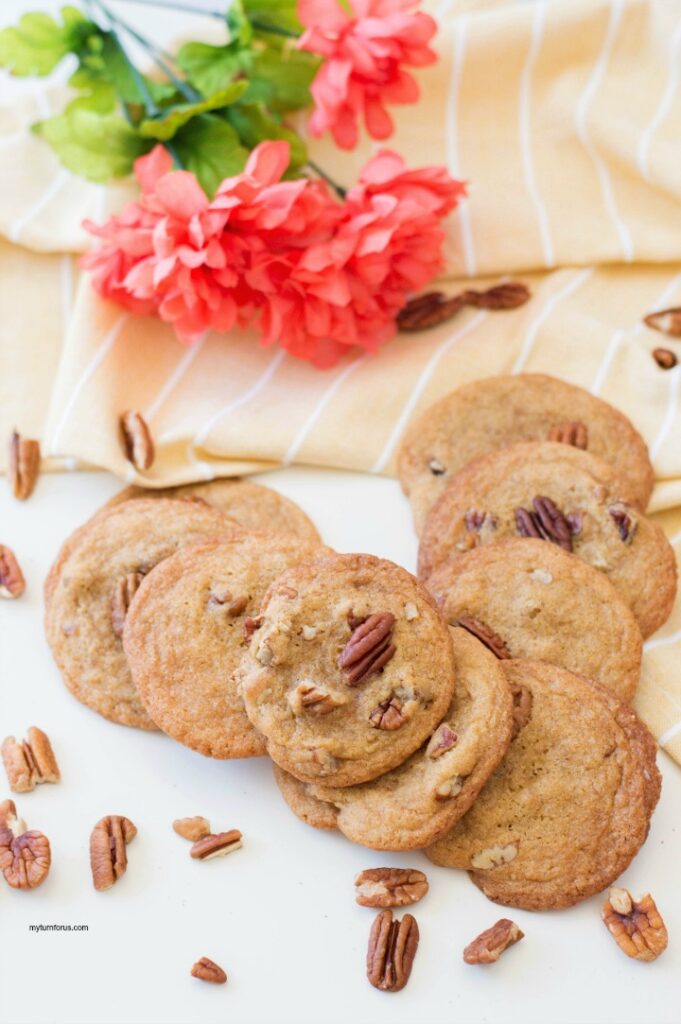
[279,914]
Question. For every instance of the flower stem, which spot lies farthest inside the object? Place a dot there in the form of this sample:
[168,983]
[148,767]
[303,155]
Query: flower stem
[338,189]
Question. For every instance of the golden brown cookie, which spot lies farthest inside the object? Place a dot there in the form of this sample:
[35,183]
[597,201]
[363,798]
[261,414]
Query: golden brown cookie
[565,496]
[570,805]
[251,505]
[90,587]
[543,605]
[410,806]
[304,805]
[490,414]
[187,628]
[350,671]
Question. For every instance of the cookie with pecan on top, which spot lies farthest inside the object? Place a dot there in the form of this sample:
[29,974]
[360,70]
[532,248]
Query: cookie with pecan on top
[563,496]
[350,671]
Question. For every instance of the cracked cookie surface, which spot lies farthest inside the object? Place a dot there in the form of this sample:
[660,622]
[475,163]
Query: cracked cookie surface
[350,671]
[185,634]
[569,806]
[568,497]
[544,605]
[486,415]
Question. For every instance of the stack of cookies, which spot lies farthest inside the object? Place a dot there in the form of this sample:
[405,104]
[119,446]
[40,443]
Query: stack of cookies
[481,713]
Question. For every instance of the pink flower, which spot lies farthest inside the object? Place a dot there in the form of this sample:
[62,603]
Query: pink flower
[364,62]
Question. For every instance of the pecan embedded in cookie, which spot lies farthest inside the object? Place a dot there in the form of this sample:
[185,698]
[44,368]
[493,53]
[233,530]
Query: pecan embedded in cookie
[369,648]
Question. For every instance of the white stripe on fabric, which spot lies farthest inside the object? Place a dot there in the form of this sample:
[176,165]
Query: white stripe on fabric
[661,641]
[613,345]
[670,734]
[664,106]
[451,136]
[237,403]
[670,415]
[545,312]
[538,20]
[174,378]
[326,397]
[37,208]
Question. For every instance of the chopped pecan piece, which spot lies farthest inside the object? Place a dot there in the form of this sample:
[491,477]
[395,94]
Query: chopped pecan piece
[635,925]
[491,943]
[315,699]
[207,970]
[666,320]
[626,527]
[137,443]
[192,828]
[369,648]
[474,520]
[449,788]
[390,887]
[391,952]
[436,467]
[494,857]
[216,845]
[546,522]
[391,714]
[233,606]
[24,465]
[122,596]
[572,432]
[251,625]
[29,763]
[25,857]
[443,739]
[12,582]
[108,856]
[485,635]
[522,707]
[665,358]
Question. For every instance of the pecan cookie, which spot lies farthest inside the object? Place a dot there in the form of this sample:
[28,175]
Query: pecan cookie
[489,414]
[418,801]
[186,630]
[298,795]
[570,805]
[564,496]
[252,506]
[541,604]
[92,582]
[350,671]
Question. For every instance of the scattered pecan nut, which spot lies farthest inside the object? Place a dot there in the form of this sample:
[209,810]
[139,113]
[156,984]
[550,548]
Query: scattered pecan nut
[216,845]
[390,887]
[29,763]
[391,714]
[635,925]
[24,465]
[508,295]
[12,582]
[665,358]
[391,951]
[108,855]
[192,828]
[485,635]
[668,321]
[25,857]
[122,596]
[572,432]
[546,522]
[443,739]
[491,943]
[626,526]
[137,442]
[207,970]
[433,308]
[369,648]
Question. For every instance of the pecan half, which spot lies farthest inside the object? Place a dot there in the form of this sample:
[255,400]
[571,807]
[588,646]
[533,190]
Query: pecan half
[626,527]
[12,582]
[24,465]
[391,951]
[665,358]
[666,320]
[25,857]
[314,699]
[428,310]
[485,635]
[391,714]
[390,887]
[369,648]
[635,925]
[572,432]
[192,828]
[207,970]
[508,295]
[443,739]
[122,596]
[546,522]
[522,708]
[136,437]
[108,856]
[491,943]
[216,845]
[29,763]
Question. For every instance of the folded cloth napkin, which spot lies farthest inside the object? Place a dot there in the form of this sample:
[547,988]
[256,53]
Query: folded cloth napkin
[564,116]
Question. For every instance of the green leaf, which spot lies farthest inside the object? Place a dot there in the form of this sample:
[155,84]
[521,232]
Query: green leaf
[281,79]
[210,68]
[95,92]
[114,67]
[253,124]
[95,146]
[209,147]
[280,14]
[165,126]
[37,44]
[240,29]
